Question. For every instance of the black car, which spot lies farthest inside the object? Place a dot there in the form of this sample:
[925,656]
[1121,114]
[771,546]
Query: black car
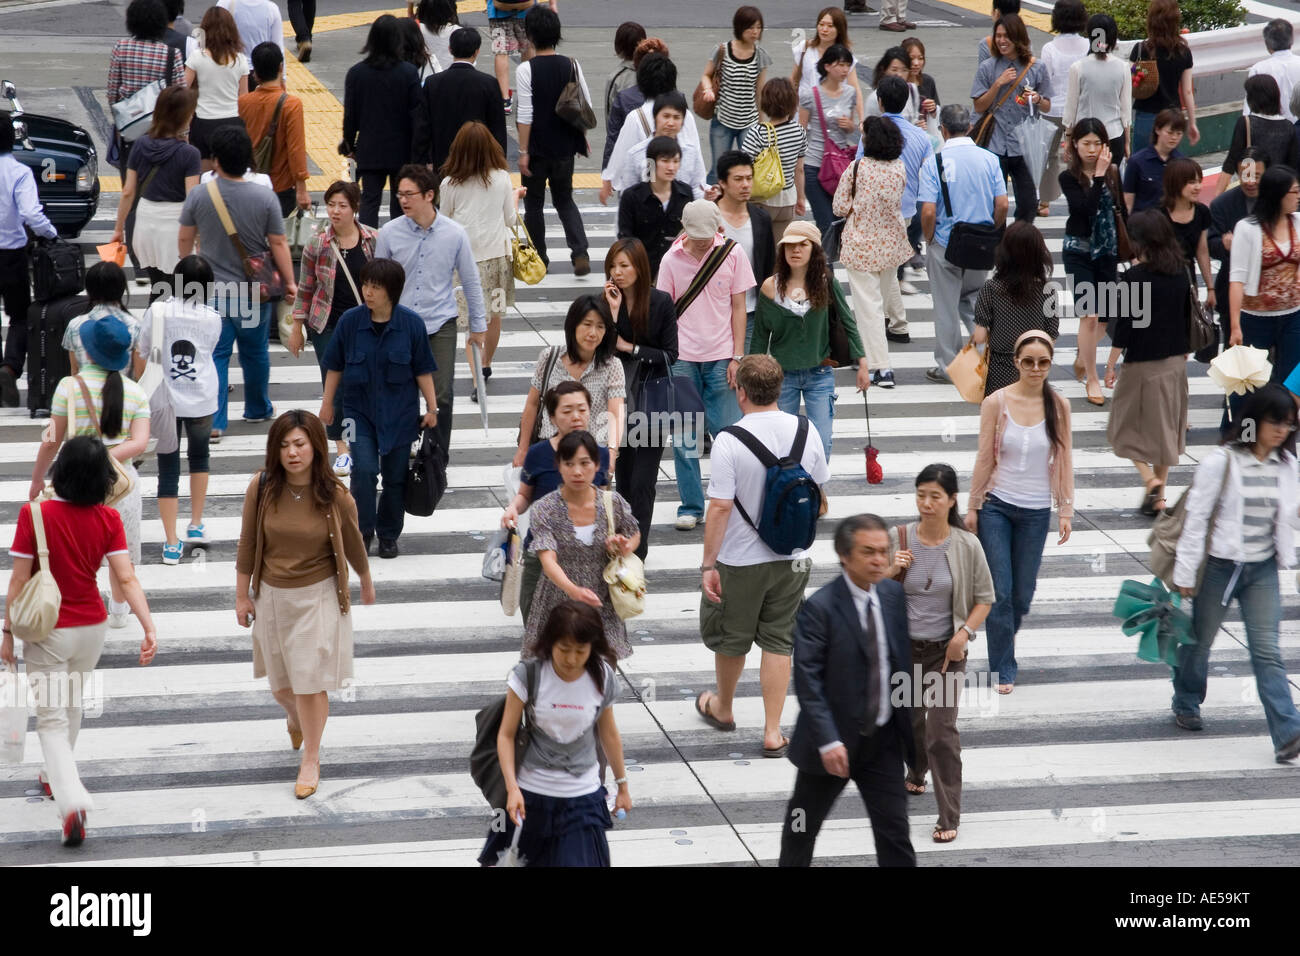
[62,158]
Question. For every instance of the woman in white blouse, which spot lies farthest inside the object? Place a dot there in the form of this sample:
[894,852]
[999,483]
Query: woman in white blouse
[438,20]
[1101,86]
[1059,55]
[476,192]
[221,73]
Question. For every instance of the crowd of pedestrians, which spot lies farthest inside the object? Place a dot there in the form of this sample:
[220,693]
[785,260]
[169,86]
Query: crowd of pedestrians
[718,293]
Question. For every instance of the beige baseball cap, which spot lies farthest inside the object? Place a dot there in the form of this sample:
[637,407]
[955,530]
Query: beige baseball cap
[701,219]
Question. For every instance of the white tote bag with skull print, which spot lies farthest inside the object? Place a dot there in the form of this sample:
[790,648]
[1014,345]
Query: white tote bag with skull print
[162,418]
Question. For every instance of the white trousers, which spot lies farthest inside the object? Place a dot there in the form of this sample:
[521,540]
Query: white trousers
[874,295]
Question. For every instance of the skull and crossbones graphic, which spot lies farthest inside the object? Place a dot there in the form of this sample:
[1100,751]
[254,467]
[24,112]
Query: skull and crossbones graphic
[183,353]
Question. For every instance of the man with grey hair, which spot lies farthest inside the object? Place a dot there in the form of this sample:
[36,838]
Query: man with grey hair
[1281,64]
[960,183]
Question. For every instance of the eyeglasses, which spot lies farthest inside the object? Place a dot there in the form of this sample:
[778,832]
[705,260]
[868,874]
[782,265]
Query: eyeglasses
[406,195]
[1029,365]
[1285,426]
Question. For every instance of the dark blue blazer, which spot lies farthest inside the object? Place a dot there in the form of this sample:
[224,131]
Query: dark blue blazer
[830,672]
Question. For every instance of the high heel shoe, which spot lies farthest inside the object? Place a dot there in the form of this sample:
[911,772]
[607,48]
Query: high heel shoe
[1098,400]
[295,737]
[1080,371]
[301,790]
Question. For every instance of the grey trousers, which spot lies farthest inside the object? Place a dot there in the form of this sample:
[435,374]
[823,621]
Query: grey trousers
[953,291]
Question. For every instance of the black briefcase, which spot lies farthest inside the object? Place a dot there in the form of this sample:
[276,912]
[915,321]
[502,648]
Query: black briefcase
[426,476]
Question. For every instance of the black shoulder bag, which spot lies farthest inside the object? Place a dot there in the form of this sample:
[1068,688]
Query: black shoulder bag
[970,245]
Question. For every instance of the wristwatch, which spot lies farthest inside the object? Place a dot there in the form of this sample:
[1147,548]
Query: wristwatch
[737,358]
[970,635]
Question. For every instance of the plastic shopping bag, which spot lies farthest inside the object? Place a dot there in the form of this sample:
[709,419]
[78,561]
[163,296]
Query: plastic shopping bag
[13,715]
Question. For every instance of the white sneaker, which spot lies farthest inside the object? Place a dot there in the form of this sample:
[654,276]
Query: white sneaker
[907,288]
[686,522]
[118,620]
[343,465]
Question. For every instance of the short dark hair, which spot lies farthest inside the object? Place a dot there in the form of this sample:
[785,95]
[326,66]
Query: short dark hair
[744,18]
[1069,16]
[1255,154]
[1006,6]
[778,98]
[881,138]
[6,135]
[464,43]
[656,74]
[388,274]
[850,526]
[82,474]
[662,147]
[1179,172]
[267,59]
[568,387]
[1170,118]
[351,192]
[1104,24]
[147,20]
[424,179]
[1263,96]
[542,27]
[672,100]
[232,149]
[626,38]
[583,623]
[886,59]
[1269,403]
[892,93]
[583,306]
[1278,35]
[106,283]
[835,53]
[730,160]
[190,272]
[575,441]
[174,9]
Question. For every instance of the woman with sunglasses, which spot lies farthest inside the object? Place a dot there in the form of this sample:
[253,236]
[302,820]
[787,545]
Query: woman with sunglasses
[1023,463]
[1247,488]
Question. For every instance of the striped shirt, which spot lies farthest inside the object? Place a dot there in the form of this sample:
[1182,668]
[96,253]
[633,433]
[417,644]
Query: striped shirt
[1259,504]
[791,143]
[737,106]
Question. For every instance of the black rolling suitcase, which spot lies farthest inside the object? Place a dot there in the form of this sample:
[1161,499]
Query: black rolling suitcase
[47,360]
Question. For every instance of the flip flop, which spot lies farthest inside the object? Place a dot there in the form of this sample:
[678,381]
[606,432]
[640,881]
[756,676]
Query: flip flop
[1009,688]
[709,719]
[914,788]
[778,751]
[939,831]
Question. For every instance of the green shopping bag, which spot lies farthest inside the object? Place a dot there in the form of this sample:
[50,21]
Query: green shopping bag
[1157,616]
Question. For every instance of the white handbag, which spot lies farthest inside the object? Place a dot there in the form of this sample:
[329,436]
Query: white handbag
[35,611]
[300,227]
[625,574]
[162,416]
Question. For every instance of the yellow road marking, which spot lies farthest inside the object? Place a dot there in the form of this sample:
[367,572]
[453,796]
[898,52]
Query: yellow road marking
[1039,21]
[346,21]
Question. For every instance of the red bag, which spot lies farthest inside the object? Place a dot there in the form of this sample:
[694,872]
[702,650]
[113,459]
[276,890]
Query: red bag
[834,159]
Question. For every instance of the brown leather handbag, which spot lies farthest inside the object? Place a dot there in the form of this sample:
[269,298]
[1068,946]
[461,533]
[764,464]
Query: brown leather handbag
[704,108]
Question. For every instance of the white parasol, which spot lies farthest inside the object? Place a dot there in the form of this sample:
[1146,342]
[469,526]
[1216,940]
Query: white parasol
[1241,369]
[476,367]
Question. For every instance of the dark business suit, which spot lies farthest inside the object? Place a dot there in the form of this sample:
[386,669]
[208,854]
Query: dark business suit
[832,668]
[760,221]
[458,95]
[380,107]
[1225,212]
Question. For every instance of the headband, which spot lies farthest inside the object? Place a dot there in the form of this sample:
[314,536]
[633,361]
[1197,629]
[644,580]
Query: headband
[1034,334]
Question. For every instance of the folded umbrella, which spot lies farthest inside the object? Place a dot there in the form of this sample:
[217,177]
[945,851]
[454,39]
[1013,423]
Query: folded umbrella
[476,366]
[1157,616]
[875,474]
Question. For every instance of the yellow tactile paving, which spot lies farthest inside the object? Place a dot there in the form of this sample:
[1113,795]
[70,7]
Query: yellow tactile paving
[1039,21]
[346,21]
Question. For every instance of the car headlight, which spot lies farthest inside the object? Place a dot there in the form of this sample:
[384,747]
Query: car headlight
[87,174]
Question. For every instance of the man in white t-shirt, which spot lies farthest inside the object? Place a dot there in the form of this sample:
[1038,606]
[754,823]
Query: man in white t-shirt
[258,21]
[751,593]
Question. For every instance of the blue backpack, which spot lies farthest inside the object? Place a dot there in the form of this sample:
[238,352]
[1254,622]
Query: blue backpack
[791,499]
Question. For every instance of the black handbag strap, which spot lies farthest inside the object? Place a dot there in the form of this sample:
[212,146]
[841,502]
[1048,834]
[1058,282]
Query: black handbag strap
[943,183]
[707,270]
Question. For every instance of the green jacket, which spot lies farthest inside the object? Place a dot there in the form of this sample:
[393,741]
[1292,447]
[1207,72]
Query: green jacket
[801,342]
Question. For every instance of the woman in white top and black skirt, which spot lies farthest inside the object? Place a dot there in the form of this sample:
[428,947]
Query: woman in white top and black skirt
[555,793]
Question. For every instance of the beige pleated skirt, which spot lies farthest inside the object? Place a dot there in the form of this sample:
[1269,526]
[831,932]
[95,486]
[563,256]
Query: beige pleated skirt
[300,638]
[1148,415]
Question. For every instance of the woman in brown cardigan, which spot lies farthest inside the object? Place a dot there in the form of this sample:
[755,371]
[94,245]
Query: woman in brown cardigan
[298,537]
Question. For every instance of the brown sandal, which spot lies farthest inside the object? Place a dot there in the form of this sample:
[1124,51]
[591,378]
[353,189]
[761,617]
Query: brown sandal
[914,788]
[939,834]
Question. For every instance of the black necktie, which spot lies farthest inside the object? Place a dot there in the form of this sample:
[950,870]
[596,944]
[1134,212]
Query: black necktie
[873,675]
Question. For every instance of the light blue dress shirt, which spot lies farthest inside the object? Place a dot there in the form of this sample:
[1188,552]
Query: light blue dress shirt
[430,258]
[19,204]
[916,149]
[974,180]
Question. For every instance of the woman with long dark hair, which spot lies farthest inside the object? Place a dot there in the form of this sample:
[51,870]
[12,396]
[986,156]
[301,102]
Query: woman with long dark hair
[646,325]
[380,96]
[1173,57]
[438,20]
[1100,86]
[1015,299]
[80,533]
[587,356]
[556,792]
[949,592]
[1263,295]
[414,51]
[1090,249]
[221,72]
[792,324]
[1023,463]
[1016,81]
[1247,489]
[298,535]
[1148,417]
[831,29]
[476,192]
[102,343]
[570,535]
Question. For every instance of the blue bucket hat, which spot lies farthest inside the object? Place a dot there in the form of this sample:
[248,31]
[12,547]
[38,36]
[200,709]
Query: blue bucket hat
[107,341]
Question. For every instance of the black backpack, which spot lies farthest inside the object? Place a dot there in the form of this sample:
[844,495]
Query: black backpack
[58,269]
[426,477]
[484,763]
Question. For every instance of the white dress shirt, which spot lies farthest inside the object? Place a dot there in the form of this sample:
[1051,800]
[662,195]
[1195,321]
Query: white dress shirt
[1283,66]
[862,602]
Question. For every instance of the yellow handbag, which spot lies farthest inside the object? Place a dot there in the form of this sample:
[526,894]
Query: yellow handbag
[526,264]
[968,372]
[769,177]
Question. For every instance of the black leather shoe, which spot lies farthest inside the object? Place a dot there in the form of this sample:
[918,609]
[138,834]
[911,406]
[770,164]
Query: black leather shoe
[1193,722]
[581,265]
[1289,752]
[388,548]
[903,337]
[8,387]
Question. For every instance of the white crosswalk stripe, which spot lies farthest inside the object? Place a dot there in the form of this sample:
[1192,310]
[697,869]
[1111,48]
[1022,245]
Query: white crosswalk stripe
[189,763]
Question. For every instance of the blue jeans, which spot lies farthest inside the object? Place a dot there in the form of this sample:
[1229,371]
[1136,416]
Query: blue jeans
[819,200]
[816,386]
[1143,124]
[1265,332]
[320,343]
[720,410]
[721,139]
[1013,540]
[383,513]
[749,330]
[252,332]
[1255,588]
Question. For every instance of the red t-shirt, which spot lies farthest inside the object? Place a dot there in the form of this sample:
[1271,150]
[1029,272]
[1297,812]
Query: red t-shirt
[78,537]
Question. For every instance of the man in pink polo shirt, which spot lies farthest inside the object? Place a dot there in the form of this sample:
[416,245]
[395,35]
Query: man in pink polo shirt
[710,334]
